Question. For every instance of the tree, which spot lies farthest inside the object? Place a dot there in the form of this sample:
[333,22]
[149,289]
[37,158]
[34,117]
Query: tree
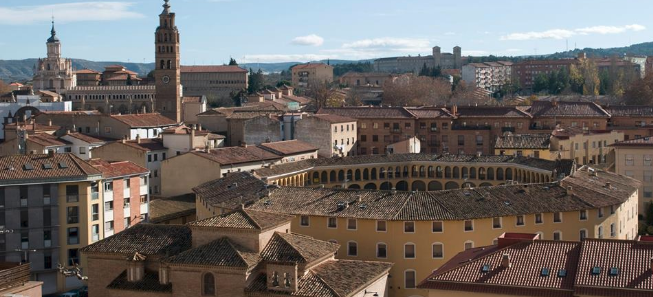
[4,88]
[232,62]
[354,97]
[576,80]
[322,93]
[283,83]
[541,83]
[256,81]
[590,72]
[414,91]
[640,92]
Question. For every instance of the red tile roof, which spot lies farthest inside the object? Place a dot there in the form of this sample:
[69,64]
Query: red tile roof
[289,147]
[237,155]
[633,276]
[333,118]
[87,71]
[46,140]
[146,144]
[212,68]
[144,120]
[44,167]
[85,138]
[118,169]
[369,112]
[196,99]
[567,109]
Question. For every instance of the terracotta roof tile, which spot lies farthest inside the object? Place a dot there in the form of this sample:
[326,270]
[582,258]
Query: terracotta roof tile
[631,110]
[167,208]
[232,190]
[288,147]
[567,109]
[237,155]
[333,118]
[220,252]
[492,111]
[369,112]
[640,142]
[295,248]
[309,66]
[86,138]
[523,141]
[146,239]
[195,99]
[118,169]
[44,167]
[144,120]
[145,144]
[244,219]
[46,140]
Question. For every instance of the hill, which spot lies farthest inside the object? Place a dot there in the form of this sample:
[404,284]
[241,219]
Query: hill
[22,70]
[640,49]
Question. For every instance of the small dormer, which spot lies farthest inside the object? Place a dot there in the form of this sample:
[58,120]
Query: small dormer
[136,267]
[282,277]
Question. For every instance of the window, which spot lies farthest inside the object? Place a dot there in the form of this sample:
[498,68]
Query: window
[469,245]
[520,220]
[47,260]
[600,232]
[82,150]
[409,251]
[352,249]
[108,186]
[557,217]
[469,225]
[479,140]
[381,250]
[108,226]
[611,209]
[128,222]
[409,227]
[95,212]
[583,215]
[437,227]
[47,238]
[72,193]
[648,176]
[496,223]
[557,235]
[332,222]
[583,234]
[208,285]
[351,224]
[95,232]
[600,212]
[108,206]
[409,277]
[647,160]
[46,195]
[381,226]
[73,257]
[438,251]
[363,138]
[73,235]
[304,221]
[630,160]
[24,239]
[24,219]
[461,140]
[375,138]
[73,214]
[613,231]
[375,125]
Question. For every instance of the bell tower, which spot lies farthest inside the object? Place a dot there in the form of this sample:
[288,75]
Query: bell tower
[167,72]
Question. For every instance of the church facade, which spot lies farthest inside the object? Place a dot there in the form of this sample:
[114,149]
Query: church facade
[54,73]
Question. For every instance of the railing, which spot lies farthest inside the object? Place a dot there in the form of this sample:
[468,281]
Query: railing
[13,275]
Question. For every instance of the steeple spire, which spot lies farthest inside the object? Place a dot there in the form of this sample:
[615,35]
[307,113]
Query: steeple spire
[166,7]
[53,33]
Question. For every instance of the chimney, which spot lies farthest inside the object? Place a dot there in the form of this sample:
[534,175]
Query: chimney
[608,185]
[454,110]
[138,138]
[50,153]
[570,190]
[554,103]
[359,198]
[164,279]
[49,122]
[505,261]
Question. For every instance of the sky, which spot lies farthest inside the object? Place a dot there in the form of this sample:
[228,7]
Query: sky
[263,31]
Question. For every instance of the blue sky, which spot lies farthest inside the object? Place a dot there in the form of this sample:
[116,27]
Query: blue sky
[303,30]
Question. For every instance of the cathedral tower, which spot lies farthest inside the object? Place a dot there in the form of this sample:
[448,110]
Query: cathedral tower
[168,70]
[54,73]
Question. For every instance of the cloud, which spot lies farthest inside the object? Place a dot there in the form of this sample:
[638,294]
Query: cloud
[310,40]
[565,33]
[389,43]
[68,12]
[265,58]
[450,33]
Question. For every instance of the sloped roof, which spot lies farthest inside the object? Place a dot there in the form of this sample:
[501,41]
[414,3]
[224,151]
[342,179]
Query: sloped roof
[38,167]
[146,239]
[232,190]
[118,169]
[333,118]
[166,208]
[639,142]
[237,155]
[295,248]
[212,68]
[220,252]
[368,112]
[288,147]
[144,120]
[244,219]
[523,141]
[567,109]
[46,140]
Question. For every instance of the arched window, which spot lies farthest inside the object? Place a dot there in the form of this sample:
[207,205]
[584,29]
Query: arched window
[169,64]
[208,285]
[163,64]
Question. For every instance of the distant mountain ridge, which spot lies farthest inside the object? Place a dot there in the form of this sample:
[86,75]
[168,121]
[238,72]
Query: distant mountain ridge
[22,70]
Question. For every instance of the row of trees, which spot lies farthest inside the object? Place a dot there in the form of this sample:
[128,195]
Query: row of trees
[426,90]
[586,79]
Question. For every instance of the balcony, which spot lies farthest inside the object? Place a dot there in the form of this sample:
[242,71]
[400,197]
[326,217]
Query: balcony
[144,190]
[126,193]
[395,130]
[13,275]
[95,195]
